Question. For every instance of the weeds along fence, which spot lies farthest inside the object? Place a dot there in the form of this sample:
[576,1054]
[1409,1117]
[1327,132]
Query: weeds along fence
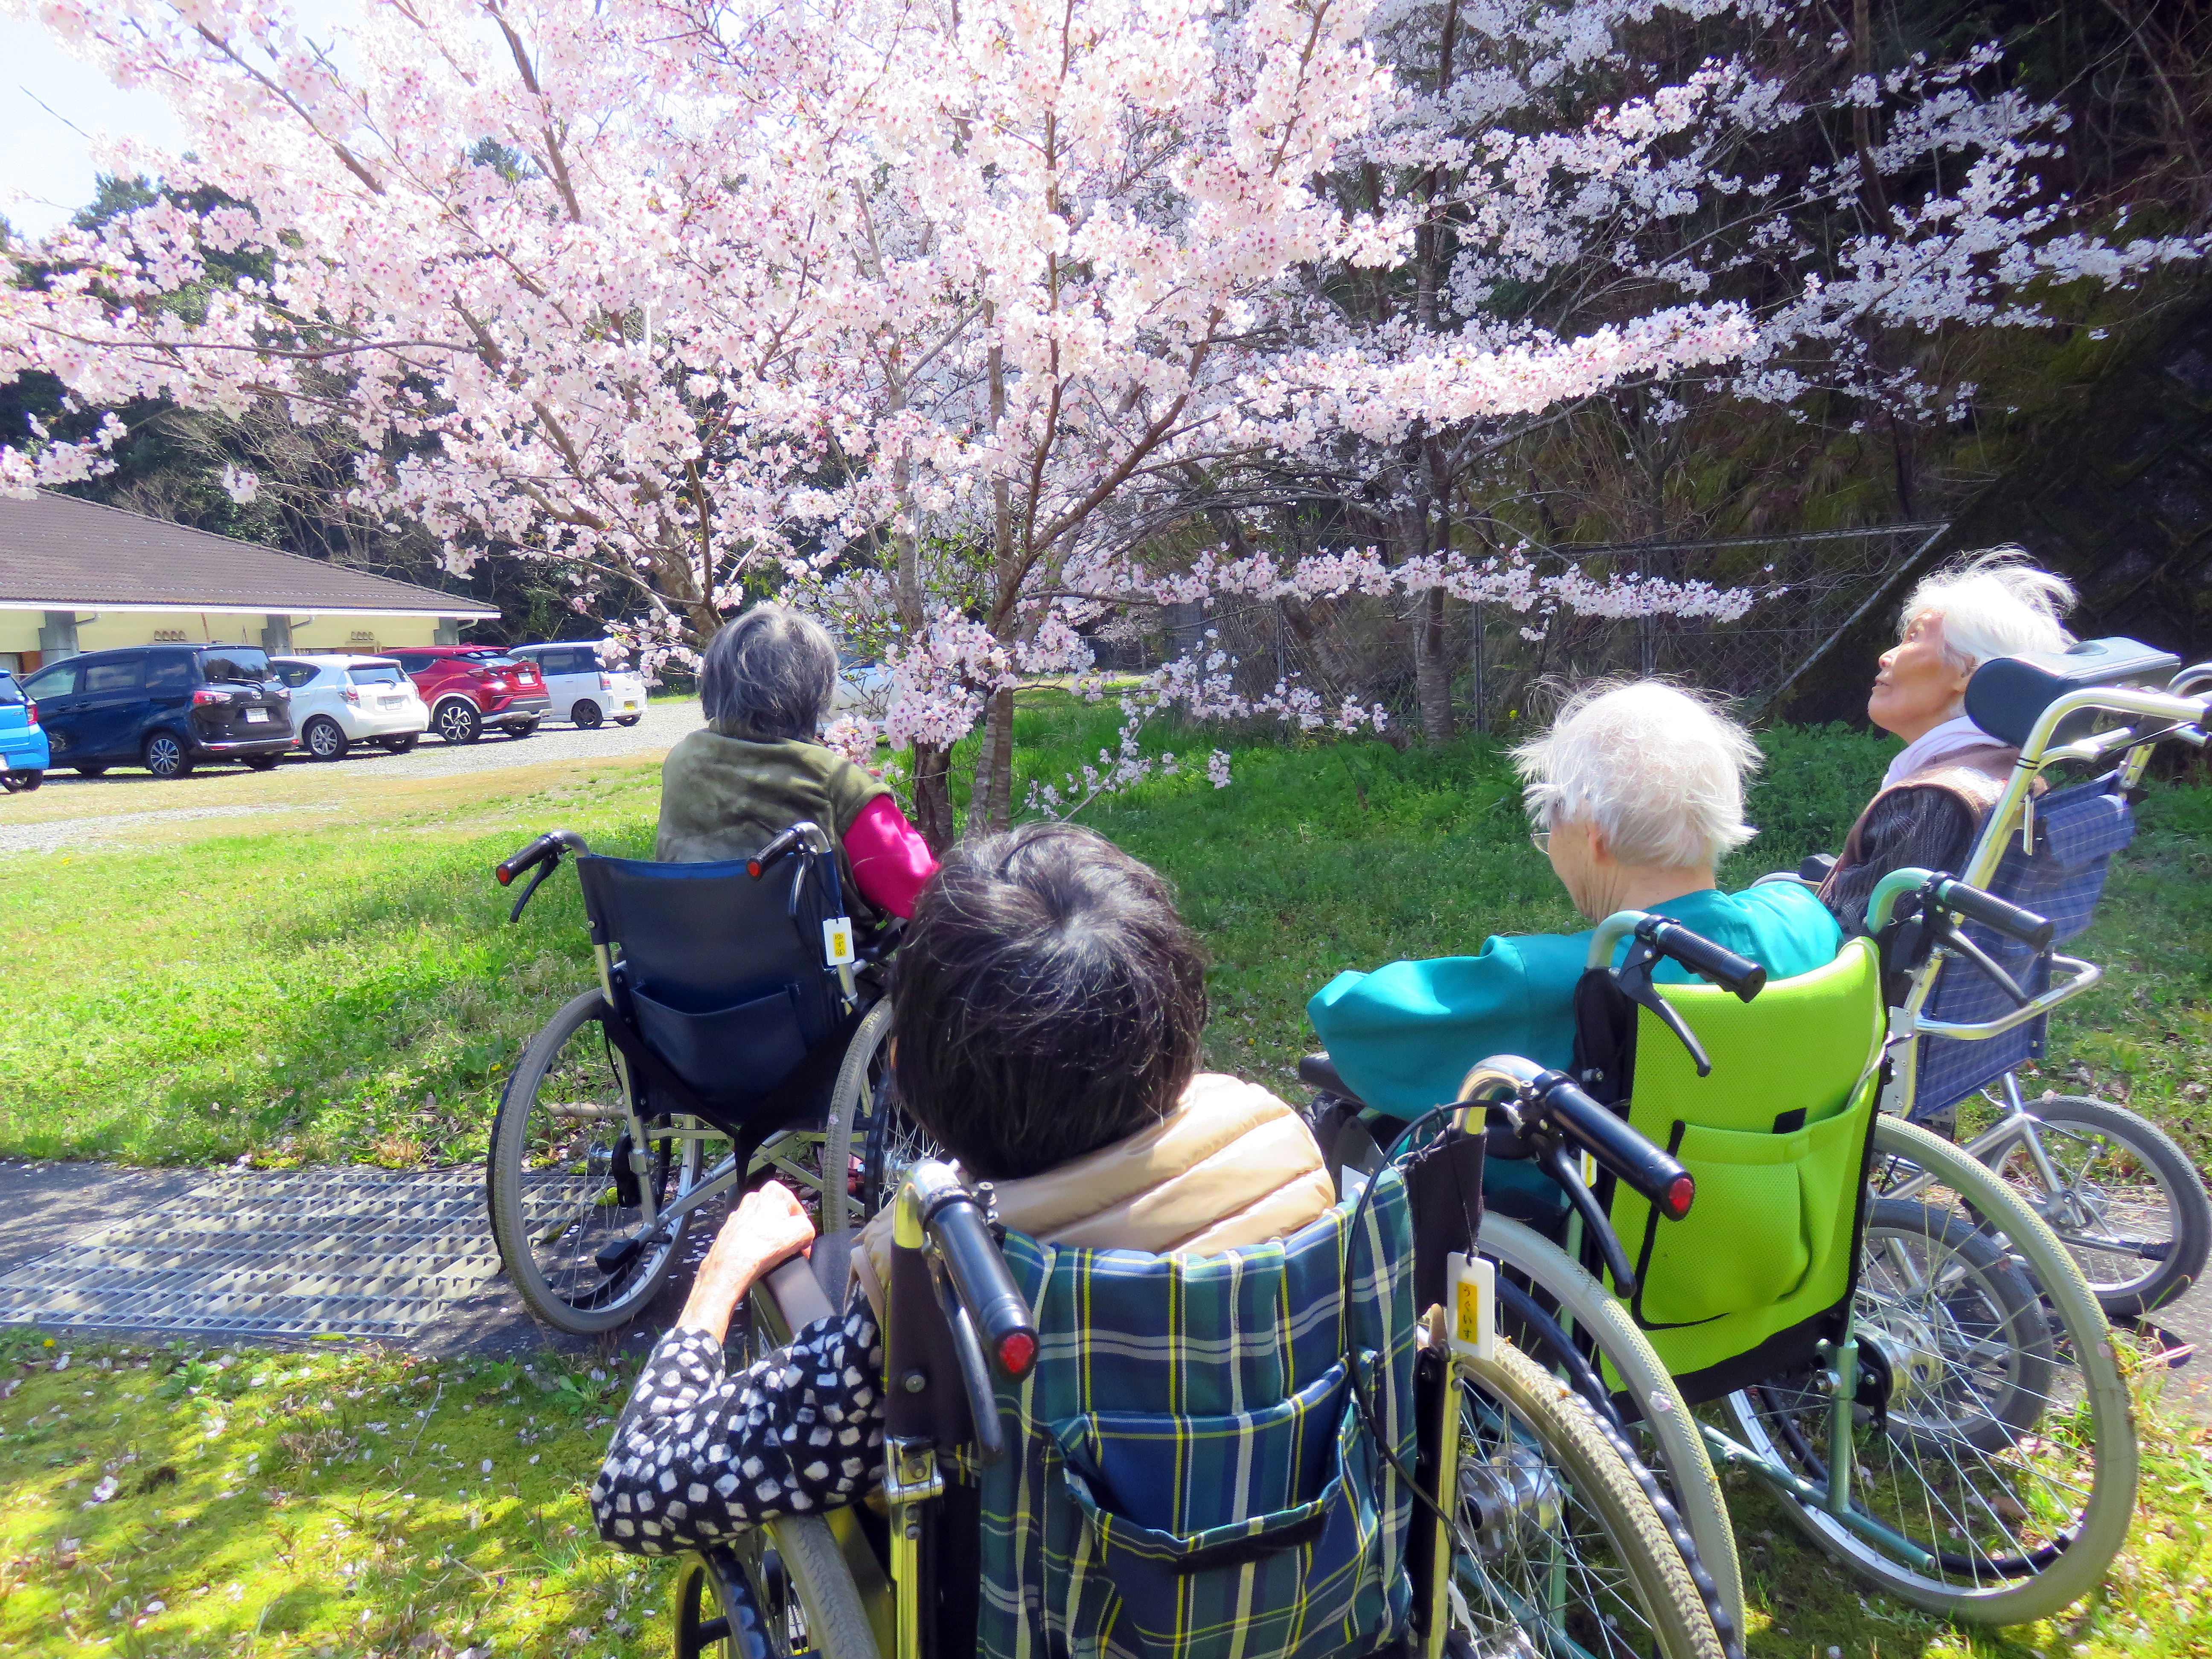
[1506,667]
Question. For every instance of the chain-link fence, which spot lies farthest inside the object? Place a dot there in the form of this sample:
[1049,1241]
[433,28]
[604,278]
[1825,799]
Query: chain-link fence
[1503,664]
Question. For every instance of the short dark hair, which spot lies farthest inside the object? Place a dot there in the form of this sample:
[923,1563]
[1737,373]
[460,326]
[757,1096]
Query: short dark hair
[768,673]
[1047,1000]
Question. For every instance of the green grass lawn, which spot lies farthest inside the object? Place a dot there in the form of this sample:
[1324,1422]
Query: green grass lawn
[344,986]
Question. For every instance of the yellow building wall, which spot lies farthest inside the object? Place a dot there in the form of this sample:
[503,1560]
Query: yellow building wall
[19,629]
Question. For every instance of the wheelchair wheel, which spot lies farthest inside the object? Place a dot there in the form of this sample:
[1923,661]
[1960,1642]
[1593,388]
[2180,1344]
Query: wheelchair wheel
[561,1183]
[861,1092]
[1993,1455]
[896,1143]
[1558,1549]
[736,1603]
[1661,1431]
[2128,1206]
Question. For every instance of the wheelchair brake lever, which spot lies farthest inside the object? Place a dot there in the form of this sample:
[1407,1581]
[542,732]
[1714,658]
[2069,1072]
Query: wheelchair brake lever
[1555,1162]
[1635,982]
[536,880]
[1951,939]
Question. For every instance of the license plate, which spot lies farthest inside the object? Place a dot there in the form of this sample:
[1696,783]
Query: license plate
[391,701]
[256,717]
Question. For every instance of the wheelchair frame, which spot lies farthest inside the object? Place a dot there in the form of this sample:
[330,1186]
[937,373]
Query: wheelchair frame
[858,1606]
[780,1152]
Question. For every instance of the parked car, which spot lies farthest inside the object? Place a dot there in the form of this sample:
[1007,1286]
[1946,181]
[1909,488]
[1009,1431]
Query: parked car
[469,687]
[23,754]
[863,688]
[582,688]
[337,701]
[166,707]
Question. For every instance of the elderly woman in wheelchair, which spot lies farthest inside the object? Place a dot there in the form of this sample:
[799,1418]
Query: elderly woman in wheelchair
[1177,1408]
[1636,793]
[757,767]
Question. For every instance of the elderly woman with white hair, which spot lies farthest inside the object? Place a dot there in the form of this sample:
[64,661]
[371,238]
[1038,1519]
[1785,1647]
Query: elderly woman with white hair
[1991,604]
[1635,793]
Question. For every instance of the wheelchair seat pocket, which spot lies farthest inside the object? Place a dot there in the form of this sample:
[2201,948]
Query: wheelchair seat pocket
[1262,1533]
[1765,1216]
[728,1054]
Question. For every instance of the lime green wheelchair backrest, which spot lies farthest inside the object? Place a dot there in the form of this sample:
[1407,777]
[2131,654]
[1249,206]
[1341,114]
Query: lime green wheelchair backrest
[1777,1138]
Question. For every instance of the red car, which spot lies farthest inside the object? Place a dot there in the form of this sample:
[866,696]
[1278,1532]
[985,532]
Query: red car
[469,687]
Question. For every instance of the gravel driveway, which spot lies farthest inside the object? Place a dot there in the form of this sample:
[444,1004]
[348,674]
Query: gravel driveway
[71,810]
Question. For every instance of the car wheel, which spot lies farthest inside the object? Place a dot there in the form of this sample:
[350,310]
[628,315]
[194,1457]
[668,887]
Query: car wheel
[90,771]
[587,715]
[527,728]
[628,719]
[22,782]
[325,738]
[166,756]
[261,762]
[399,745]
[458,721]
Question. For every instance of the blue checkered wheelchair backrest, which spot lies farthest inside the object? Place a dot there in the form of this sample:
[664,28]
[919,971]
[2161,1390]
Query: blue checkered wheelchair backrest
[2077,830]
[1198,1468]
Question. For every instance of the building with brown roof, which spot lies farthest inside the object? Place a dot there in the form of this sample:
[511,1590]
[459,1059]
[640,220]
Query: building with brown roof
[78,576]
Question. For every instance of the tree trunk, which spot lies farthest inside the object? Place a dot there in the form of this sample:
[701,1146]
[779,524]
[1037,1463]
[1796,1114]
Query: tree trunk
[932,796]
[1433,668]
[991,807]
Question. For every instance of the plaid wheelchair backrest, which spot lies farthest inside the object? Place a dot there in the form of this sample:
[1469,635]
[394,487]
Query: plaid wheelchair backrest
[1194,1471]
[2077,830]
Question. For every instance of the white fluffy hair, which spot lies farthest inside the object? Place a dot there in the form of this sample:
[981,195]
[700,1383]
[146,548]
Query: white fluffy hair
[1658,770]
[1994,602]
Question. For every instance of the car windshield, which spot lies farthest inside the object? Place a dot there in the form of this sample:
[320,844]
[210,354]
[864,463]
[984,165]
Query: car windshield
[374,674]
[235,663]
[10,693]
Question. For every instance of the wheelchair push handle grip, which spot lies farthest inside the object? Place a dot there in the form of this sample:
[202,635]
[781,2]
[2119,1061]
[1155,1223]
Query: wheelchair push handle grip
[1647,1169]
[2034,931]
[547,846]
[983,1285]
[1740,975]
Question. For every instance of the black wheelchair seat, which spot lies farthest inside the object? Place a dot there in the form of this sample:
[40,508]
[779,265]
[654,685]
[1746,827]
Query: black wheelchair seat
[720,975]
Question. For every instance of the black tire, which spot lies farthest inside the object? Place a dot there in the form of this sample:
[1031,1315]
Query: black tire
[325,739]
[399,745]
[456,721]
[166,756]
[2126,1183]
[91,771]
[585,715]
[521,729]
[628,719]
[21,783]
[261,762]
[555,1200]
[735,1601]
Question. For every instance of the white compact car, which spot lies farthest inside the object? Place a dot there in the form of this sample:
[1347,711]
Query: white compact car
[337,701]
[583,689]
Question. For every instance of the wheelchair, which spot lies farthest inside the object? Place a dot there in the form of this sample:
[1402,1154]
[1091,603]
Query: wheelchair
[1916,1371]
[1285,1450]
[737,1029]
[1972,999]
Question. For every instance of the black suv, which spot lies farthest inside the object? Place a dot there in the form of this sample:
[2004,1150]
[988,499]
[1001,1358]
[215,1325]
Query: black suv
[166,707]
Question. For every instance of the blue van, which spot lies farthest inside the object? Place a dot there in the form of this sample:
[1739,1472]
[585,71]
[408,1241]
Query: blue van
[166,707]
[24,754]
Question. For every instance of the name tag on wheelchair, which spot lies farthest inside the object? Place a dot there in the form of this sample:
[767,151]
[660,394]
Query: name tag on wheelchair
[1474,1305]
[837,941]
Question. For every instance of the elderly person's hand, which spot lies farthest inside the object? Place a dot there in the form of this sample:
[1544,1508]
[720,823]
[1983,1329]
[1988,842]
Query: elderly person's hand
[768,1230]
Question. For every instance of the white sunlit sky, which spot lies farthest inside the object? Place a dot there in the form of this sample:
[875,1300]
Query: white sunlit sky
[53,106]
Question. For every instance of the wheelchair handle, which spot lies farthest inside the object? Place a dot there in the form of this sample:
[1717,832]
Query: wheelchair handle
[1550,1100]
[805,834]
[1741,975]
[2034,931]
[547,846]
[956,1223]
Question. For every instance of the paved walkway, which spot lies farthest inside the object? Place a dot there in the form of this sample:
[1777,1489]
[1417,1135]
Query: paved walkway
[276,1257]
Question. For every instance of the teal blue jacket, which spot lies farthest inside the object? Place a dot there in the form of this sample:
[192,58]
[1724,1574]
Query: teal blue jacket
[1404,1036]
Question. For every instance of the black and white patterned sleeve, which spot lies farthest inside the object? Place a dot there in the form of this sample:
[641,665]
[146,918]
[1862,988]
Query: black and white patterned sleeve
[702,1453]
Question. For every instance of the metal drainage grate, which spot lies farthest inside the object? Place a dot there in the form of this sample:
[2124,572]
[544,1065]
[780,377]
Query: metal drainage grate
[289,1252]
